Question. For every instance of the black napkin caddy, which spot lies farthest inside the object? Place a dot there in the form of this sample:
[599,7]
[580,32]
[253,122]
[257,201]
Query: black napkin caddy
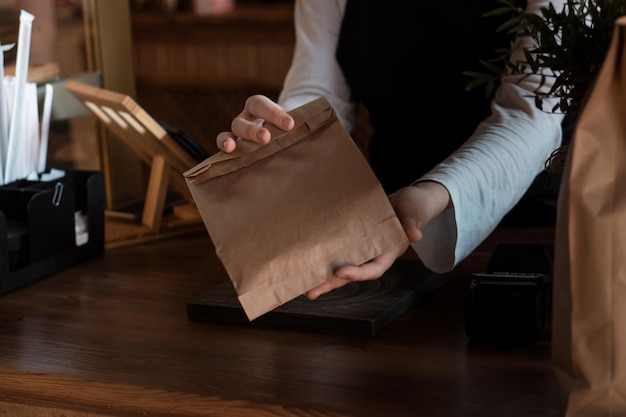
[48,225]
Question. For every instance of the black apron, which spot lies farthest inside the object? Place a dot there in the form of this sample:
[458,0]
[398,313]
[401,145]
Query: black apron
[404,61]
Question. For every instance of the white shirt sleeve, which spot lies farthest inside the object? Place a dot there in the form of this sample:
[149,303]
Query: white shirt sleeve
[489,174]
[314,71]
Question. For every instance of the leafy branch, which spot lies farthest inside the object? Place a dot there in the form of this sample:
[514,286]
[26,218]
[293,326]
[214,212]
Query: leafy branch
[569,46]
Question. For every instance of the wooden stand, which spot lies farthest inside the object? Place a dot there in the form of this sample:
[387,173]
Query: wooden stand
[153,145]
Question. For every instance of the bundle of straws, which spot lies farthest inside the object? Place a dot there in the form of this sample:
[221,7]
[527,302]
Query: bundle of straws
[23,136]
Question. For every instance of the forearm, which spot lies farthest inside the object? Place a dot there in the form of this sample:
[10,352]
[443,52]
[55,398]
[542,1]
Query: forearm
[314,71]
[489,174]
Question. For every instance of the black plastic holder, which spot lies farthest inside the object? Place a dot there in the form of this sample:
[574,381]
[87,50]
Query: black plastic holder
[49,225]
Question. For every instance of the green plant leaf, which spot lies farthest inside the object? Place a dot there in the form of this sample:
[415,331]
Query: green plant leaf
[570,45]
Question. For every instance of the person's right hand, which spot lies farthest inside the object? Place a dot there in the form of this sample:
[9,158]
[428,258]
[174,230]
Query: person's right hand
[248,124]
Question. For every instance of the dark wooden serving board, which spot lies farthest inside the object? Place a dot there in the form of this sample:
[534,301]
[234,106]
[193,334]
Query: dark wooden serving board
[362,308]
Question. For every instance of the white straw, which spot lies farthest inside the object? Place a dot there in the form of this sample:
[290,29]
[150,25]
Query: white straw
[4,114]
[45,128]
[14,168]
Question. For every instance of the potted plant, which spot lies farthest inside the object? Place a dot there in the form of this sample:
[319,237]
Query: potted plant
[569,46]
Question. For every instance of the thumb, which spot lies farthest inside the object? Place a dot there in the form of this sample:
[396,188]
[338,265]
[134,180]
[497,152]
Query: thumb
[411,229]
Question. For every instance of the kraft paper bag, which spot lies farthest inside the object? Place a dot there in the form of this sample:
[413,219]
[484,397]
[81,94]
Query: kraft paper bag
[589,309]
[283,216]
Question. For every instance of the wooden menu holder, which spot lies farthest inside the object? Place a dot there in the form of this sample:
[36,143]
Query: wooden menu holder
[166,158]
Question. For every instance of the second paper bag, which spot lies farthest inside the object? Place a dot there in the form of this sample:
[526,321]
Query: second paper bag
[285,215]
[589,309]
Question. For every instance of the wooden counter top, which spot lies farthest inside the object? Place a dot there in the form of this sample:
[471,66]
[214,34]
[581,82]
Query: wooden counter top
[110,337]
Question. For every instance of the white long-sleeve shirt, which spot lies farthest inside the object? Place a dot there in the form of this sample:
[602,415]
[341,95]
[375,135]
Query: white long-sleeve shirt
[486,177]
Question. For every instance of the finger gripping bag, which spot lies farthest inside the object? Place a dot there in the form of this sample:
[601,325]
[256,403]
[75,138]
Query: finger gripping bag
[283,216]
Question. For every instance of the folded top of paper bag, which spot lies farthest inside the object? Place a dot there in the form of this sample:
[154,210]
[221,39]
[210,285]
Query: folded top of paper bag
[283,216]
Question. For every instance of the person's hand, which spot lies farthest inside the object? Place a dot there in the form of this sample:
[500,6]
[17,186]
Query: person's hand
[415,206]
[249,123]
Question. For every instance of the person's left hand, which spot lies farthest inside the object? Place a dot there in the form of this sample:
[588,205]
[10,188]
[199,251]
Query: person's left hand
[415,206]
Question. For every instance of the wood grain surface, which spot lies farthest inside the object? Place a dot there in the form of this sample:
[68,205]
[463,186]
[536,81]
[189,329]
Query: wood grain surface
[110,337]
